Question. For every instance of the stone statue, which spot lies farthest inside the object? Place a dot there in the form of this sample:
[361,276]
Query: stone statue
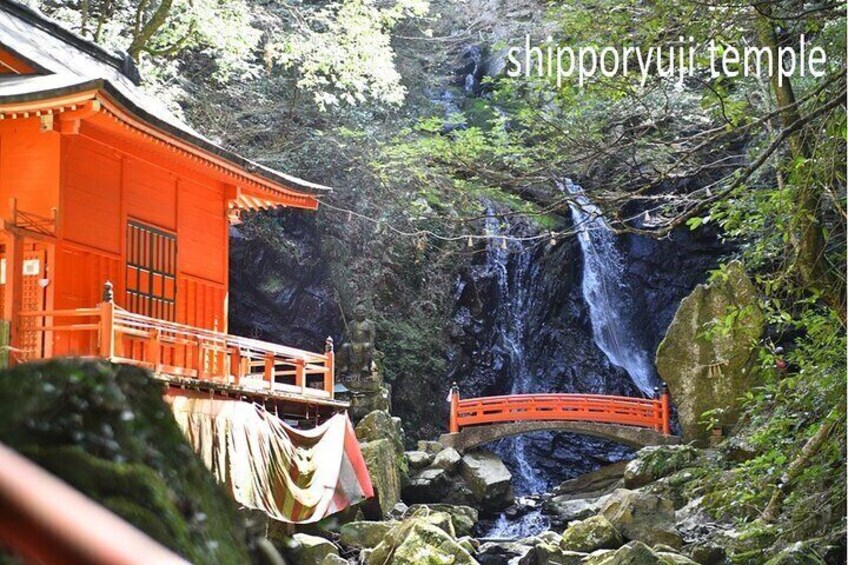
[359,353]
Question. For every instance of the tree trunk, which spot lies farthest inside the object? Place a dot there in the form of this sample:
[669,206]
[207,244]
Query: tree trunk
[807,235]
[146,31]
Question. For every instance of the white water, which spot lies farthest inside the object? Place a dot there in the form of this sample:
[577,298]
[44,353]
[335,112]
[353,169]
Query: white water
[513,303]
[606,294]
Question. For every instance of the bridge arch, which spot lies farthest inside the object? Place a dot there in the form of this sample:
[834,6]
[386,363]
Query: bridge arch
[637,422]
[475,436]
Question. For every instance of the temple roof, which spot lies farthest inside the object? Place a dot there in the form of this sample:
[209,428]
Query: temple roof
[67,64]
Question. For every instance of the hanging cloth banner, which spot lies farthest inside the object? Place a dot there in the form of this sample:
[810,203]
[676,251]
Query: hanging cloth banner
[295,476]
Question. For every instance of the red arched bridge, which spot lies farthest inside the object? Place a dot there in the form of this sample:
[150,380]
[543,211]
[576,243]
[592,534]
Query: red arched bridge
[633,421]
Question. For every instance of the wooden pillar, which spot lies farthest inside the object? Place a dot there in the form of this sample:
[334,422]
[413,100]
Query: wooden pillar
[107,323]
[300,374]
[665,401]
[454,409]
[269,369]
[330,374]
[155,350]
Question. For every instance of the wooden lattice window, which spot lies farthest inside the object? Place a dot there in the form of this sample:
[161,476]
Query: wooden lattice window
[151,271]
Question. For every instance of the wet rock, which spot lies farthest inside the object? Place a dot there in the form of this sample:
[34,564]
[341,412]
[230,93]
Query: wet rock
[469,544]
[381,460]
[398,510]
[427,485]
[602,481]
[418,460]
[464,517]
[655,462]
[567,509]
[501,553]
[674,558]
[333,559]
[797,554]
[416,542]
[591,534]
[458,493]
[713,374]
[448,459]
[550,554]
[431,447]
[644,517]
[364,534]
[310,550]
[634,553]
[488,478]
[707,554]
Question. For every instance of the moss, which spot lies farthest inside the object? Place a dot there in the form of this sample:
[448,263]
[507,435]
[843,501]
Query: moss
[105,430]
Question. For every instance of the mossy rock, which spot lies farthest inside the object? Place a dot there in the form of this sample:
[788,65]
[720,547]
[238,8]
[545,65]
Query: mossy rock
[364,533]
[656,461]
[416,542]
[590,535]
[381,461]
[105,430]
[711,373]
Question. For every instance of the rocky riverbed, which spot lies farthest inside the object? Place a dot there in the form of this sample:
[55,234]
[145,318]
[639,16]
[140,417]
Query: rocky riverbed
[656,508]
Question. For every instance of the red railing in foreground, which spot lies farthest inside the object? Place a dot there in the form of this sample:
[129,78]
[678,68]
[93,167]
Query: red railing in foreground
[172,350]
[44,520]
[624,410]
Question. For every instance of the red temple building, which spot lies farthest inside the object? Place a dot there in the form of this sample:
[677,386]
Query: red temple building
[115,226]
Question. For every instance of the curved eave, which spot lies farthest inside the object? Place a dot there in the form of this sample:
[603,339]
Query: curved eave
[273,185]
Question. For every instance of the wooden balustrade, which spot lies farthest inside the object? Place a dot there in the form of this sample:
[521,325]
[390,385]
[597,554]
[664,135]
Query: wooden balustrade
[169,349]
[628,411]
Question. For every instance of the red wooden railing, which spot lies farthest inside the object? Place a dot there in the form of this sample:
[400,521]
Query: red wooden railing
[172,350]
[624,410]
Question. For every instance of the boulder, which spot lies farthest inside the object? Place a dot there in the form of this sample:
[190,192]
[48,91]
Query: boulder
[655,462]
[501,553]
[381,461]
[550,554]
[707,554]
[464,518]
[333,559]
[598,482]
[567,509]
[469,544]
[800,553]
[417,542]
[488,478]
[427,485]
[634,553]
[441,520]
[364,534]
[310,550]
[591,534]
[711,374]
[644,517]
[418,460]
[448,459]
[380,425]
[431,447]
[674,558]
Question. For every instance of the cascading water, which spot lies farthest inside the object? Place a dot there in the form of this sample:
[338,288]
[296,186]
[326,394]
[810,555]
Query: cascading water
[513,278]
[606,294]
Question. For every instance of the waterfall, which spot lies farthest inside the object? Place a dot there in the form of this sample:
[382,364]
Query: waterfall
[606,294]
[514,273]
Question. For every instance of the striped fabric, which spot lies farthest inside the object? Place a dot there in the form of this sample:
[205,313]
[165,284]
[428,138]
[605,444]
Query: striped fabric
[295,476]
